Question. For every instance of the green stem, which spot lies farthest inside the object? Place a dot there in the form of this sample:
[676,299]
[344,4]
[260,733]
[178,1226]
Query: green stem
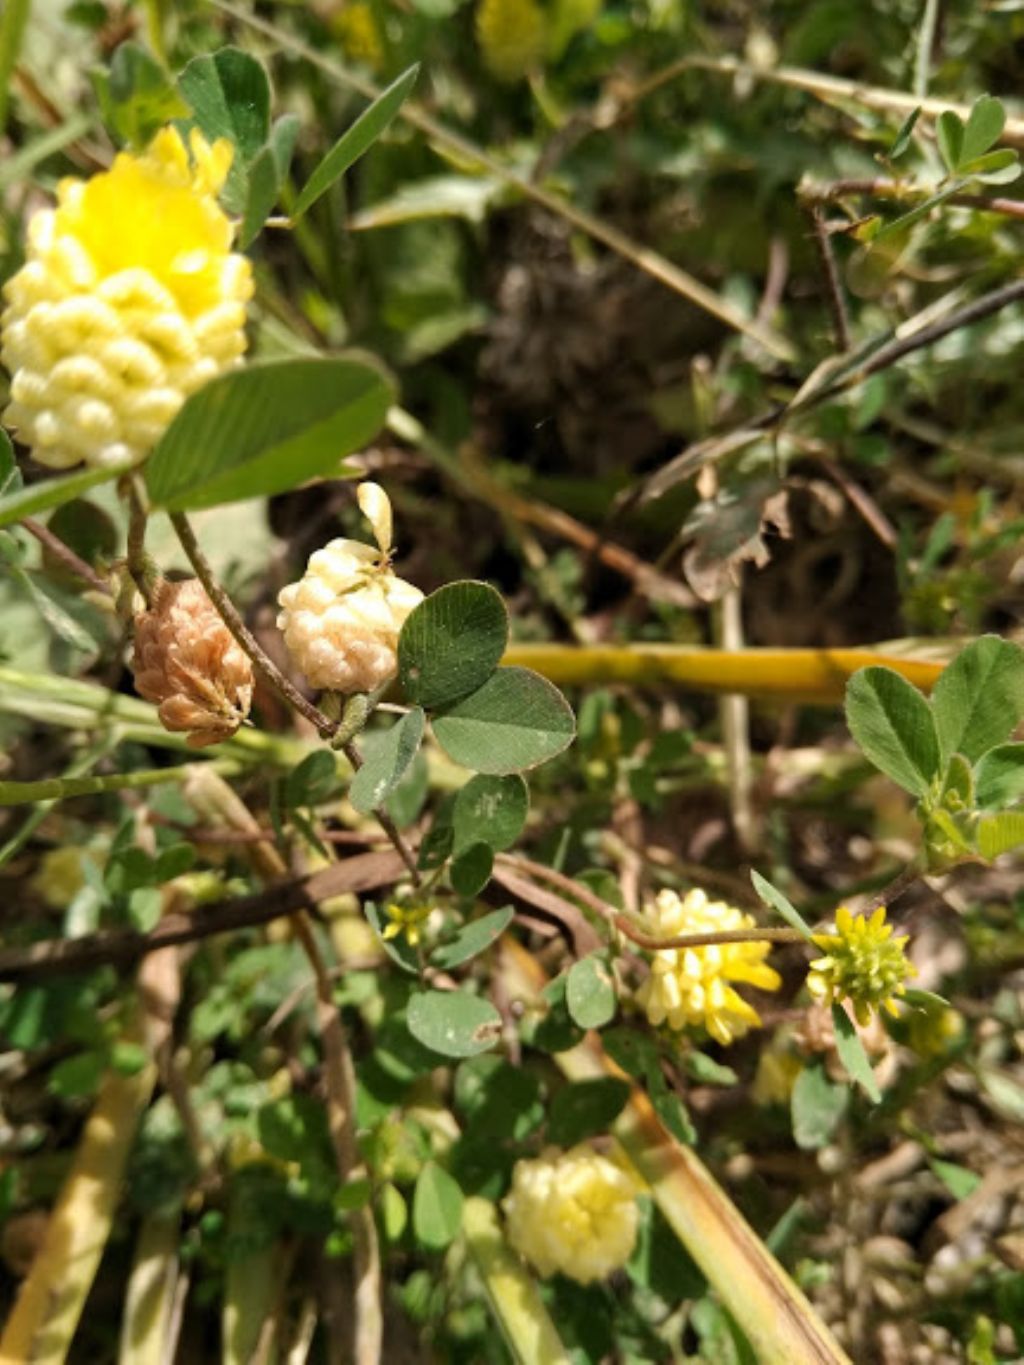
[12,29]
[61,788]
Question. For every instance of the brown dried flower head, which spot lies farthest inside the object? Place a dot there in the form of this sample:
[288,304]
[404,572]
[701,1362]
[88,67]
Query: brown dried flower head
[188,662]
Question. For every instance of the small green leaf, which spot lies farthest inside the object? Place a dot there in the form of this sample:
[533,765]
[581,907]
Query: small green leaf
[852,1054]
[261,195]
[452,642]
[453,1023]
[984,128]
[136,96]
[229,93]
[37,497]
[356,140]
[77,623]
[407,800]
[960,1181]
[471,869]
[473,938]
[902,139]
[436,1208]
[773,897]
[816,1106]
[997,834]
[585,1109]
[979,697]
[994,168]
[706,1071]
[892,722]
[590,992]
[10,474]
[77,1076]
[311,781]
[283,136]
[492,810]
[393,1212]
[555,1031]
[999,776]
[958,784]
[515,721]
[923,1000]
[387,762]
[949,130]
[266,428]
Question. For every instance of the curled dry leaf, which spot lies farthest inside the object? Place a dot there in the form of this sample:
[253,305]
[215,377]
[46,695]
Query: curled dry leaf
[727,530]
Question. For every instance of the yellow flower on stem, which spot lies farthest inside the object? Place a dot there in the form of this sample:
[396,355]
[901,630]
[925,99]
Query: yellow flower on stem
[691,987]
[408,920]
[573,1212]
[130,299]
[863,964]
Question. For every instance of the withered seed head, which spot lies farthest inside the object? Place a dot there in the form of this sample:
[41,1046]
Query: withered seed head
[188,662]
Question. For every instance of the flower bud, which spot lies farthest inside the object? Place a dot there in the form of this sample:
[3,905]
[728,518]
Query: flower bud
[188,662]
[129,300]
[573,1212]
[342,620]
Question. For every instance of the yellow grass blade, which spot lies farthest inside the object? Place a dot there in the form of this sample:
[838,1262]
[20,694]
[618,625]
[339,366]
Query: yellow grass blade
[805,675]
[515,1300]
[47,1310]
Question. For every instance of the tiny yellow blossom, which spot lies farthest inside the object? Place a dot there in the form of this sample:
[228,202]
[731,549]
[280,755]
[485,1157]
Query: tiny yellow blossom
[511,35]
[130,299]
[573,1212]
[356,28]
[690,987]
[407,920]
[863,964]
[934,1030]
[777,1070]
[342,619]
[62,874]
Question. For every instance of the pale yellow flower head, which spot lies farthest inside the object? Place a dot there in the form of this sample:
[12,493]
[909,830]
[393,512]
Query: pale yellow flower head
[342,620]
[692,987]
[863,964]
[573,1212]
[130,299]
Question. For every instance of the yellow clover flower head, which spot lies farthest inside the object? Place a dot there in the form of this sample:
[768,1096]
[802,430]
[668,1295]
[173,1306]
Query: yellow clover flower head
[130,299]
[573,1212]
[691,987]
[863,964]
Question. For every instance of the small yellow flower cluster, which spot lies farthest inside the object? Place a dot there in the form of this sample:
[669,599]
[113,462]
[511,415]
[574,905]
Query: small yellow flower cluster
[62,874]
[408,920]
[511,35]
[342,620]
[573,1212]
[690,987]
[863,964]
[130,299]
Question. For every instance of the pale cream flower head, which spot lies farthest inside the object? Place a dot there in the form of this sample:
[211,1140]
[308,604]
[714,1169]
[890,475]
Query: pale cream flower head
[573,1212]
[342,619]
